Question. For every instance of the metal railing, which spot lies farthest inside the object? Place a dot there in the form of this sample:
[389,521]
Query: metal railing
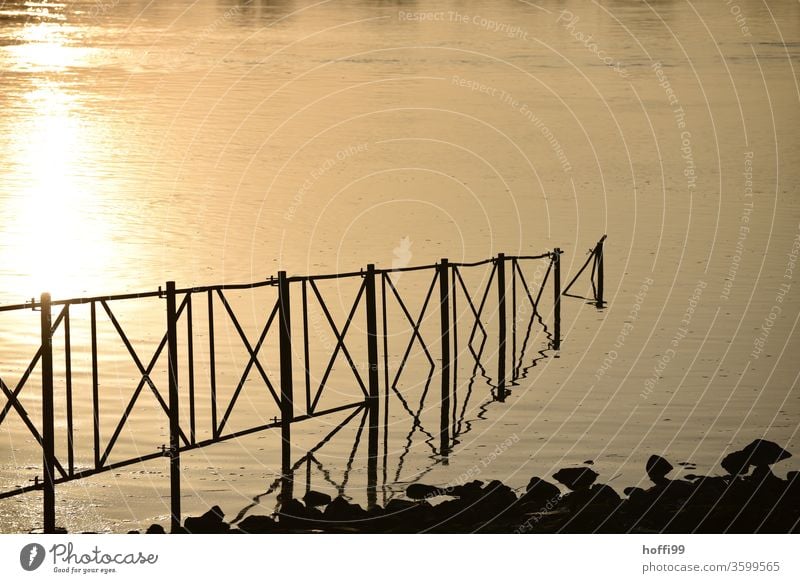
[180,305]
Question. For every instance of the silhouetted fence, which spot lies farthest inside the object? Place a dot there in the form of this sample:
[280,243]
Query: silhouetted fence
[375,290]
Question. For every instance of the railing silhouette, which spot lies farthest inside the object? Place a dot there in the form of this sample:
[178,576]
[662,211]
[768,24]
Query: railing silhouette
[179,306]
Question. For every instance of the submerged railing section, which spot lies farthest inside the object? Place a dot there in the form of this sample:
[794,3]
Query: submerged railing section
[377,295]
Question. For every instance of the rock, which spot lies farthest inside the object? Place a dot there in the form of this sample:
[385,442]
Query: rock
[133,532]
[256,524]
[576,478]
[209,523]
[340,510]
[314,499]
[397,505]
[759,452]
[291,513]
[498,496]
[736,463]
[423,491]
[540,493]
[155,529]
[470,490]
[765,453]
[604,494]
[634,492]
[657,468]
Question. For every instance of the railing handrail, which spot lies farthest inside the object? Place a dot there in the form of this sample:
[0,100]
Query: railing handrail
[33,304]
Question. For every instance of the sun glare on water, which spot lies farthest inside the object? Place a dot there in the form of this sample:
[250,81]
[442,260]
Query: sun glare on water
[51,243]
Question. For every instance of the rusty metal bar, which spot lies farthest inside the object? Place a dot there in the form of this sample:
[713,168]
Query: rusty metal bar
[287,399]
[501,327]
[48,437]
[68,375]
[95,388]
[557,299]
[174,412]
[190,359]
[373,384]
[444,319]
[212,366]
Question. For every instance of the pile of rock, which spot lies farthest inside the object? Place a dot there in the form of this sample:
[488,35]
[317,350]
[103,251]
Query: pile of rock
[749,498]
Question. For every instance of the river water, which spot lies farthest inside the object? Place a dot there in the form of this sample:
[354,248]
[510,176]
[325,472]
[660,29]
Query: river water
[219,141]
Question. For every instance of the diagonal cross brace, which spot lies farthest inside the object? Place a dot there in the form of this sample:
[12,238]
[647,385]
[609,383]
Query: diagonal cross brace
[145,372]
[339,342]
[253,353]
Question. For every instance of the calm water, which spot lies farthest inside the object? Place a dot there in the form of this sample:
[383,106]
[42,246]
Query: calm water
[211,142]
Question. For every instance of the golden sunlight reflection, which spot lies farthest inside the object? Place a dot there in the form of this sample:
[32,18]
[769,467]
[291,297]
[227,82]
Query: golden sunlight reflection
[51,242]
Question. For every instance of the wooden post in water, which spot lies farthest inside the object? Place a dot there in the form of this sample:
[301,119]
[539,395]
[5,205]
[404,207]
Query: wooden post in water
[174,412]
[48,438]
[599,258]
[557,299]
[287,399]
[372,401]
[444,311]
[501,316]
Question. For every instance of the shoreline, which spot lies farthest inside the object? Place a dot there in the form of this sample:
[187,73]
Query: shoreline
[750,498]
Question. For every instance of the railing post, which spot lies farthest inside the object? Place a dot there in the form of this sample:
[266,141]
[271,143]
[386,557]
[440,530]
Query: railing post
[444,310]
[556,299]
[287,400]
[174,413]
[48,441]
[501,315]
[599,258]
[373,404]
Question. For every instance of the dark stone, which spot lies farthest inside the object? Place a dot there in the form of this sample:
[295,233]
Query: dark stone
[657,468]
[736,463]
[340,510]
[209,523]
[314,499]
[292,514]
[765,453]
[540,493]
[155,529]
[423,491]
[634,492]
[576,478]
[604,494]
[398,505]
[257,524]
[133,532]
[470,490]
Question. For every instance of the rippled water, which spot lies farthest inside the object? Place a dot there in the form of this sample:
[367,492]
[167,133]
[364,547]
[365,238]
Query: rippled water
[211,142]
